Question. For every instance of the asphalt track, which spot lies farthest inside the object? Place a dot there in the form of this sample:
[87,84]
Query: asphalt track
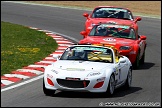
[146,84]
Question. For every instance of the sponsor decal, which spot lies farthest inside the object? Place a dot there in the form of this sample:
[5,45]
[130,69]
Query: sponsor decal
[92,74]
[75,69]
[109,42]
[109,39]
[111,22]
[125,42]
[68,78]
[49,76]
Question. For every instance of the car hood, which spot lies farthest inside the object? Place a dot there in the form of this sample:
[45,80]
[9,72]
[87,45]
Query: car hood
[108,40]
[78,69]
[111,20]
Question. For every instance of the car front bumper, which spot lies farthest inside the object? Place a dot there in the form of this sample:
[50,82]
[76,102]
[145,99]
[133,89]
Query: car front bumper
[86,85]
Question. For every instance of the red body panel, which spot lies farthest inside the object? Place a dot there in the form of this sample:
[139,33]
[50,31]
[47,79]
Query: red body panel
[90,20]
[137,44]
[117,43]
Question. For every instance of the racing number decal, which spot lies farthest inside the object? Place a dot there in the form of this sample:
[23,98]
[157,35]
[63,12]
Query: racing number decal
[109,39]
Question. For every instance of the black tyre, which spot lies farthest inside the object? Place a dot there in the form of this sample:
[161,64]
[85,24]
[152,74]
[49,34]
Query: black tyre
[136,65]
[111,86]
[48,92]
[129,79]
[143,58]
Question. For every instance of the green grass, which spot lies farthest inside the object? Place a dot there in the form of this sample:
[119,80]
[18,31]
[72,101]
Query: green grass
[22,46]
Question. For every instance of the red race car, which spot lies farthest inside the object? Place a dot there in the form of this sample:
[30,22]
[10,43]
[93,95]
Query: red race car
[110,14]
[123,37]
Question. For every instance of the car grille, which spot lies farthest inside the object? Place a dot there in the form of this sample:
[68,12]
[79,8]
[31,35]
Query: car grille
[73,83]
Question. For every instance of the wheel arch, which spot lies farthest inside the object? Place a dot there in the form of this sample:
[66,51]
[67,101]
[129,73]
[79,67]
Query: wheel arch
[108,74]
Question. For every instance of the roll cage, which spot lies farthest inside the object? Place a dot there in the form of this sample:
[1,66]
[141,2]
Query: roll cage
[116,52]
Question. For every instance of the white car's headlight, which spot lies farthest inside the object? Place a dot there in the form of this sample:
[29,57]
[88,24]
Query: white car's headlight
[101,79]
[93,74]
[125,47]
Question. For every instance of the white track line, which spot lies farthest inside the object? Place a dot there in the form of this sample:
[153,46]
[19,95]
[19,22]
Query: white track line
[22,83]
[33,28]
[43,30]
[50,32]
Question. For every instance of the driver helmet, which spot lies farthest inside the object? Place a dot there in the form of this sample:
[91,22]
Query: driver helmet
[79,53]
[102,30]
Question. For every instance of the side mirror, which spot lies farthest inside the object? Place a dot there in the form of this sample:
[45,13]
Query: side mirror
[142,37]
[85,15]
[138,19]
[122,60]
[56,56]
[84,33]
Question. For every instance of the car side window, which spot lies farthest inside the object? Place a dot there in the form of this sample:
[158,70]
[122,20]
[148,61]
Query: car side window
[97,13]
[93,31]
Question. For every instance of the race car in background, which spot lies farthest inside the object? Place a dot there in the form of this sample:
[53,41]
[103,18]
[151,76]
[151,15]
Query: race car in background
[123,37]
[110,14]
[88,68]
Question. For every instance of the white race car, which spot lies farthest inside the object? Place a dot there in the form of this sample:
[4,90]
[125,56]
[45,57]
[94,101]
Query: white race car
[90,68]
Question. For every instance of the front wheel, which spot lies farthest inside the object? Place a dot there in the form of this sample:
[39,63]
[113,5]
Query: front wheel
[47,92]
[143,58]
[111,86]
[129,79]
[137,62]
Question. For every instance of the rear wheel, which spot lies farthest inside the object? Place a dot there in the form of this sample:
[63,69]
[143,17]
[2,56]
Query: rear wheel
[111,86]
[48,92]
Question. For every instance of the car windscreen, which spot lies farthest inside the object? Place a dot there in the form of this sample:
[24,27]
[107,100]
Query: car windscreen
[119,31]
[88,53]
[112,12]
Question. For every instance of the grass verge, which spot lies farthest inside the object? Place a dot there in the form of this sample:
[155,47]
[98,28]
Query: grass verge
[22,46]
